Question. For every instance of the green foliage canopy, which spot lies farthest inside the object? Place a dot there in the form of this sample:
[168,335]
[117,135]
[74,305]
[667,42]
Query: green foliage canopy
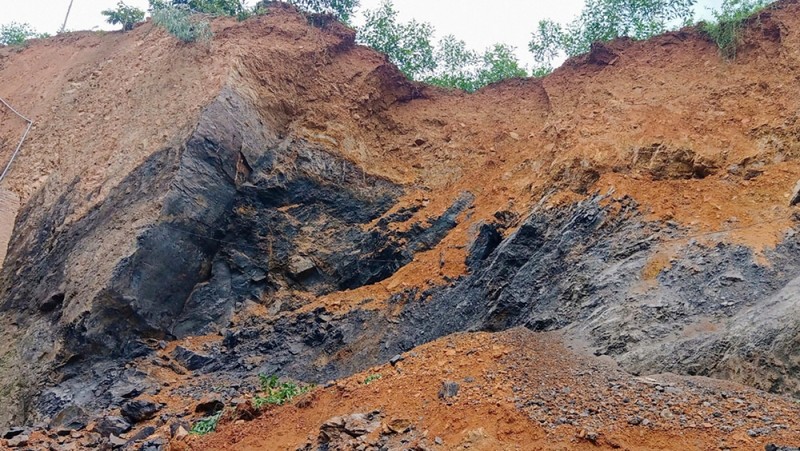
[449,64]
[408,45]
[605,20]
[342,9]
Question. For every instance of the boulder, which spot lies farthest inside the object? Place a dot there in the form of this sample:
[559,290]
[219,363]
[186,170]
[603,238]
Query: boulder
[139,410]
[112,425]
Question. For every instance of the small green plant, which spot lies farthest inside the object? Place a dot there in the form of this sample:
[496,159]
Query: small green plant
[726,29]
[207,424]
[124,15]
[181,23]
[16,33]
[278,393]
[372,378]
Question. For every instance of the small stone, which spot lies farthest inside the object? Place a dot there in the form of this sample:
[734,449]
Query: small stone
[635,421]
[19,440]
[667,414]
[399,425]
[116,441]
[449,390]
[438,440]
[155,444]
[182,433]
[396,359]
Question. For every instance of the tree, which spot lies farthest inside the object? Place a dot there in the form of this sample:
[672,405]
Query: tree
[499,63]
[456,65]
[215,7]
[408,45]
[461,68]
[16,33]
[450,64]
[342,9]
[605,20]
[124,15]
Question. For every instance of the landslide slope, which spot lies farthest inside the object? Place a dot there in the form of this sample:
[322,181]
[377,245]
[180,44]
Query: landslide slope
[291,199]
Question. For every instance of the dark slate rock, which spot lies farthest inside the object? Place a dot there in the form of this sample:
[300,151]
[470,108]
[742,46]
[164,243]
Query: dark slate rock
[156,444]
[71,418]
[13,432]
[139,410]
[111,424]
[449,390]
[191,360]
[142,434]
[484,244]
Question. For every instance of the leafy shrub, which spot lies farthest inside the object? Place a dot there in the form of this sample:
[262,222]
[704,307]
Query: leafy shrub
[16,33]
[605,20]
[726,30]
[278,393]
[124,15]
[181,23]
[207,424]
[372,378]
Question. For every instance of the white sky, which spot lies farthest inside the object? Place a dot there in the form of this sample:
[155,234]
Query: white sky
[479,24]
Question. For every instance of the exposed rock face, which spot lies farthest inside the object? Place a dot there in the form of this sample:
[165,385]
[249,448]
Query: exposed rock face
[256,204]
[244,214]
[9,204]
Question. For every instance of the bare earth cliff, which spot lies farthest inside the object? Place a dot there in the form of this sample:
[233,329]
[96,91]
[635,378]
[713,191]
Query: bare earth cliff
[605,257]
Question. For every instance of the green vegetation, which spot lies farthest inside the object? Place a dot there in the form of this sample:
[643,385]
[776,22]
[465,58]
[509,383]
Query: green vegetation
[278,393]
[342,9]
[180,22]
[207,424]
[726,30]
[605,20]
[213,7]
[372,378]
[15,33]
[408,45]
[124,15]
[450,64]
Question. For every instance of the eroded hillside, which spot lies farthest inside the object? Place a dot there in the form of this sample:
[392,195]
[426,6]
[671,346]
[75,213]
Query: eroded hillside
[283,201]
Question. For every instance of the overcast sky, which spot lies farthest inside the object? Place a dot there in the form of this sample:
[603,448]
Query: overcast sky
[479,24]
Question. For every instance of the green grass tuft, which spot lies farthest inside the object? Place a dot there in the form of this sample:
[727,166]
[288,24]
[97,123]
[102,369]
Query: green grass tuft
[726,30]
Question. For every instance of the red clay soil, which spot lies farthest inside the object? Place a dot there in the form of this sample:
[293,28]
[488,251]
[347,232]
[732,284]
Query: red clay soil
[522,391]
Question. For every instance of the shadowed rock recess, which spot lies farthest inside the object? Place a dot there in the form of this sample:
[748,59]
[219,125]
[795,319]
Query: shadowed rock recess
[314,214]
